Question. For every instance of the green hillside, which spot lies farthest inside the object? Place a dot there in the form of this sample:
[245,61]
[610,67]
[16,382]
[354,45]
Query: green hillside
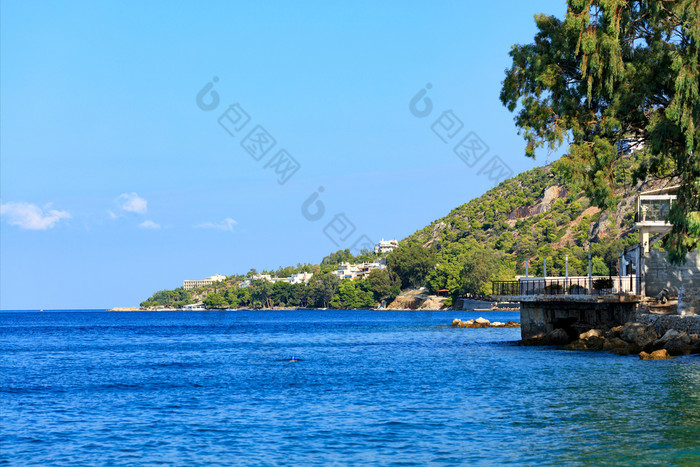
[531,216]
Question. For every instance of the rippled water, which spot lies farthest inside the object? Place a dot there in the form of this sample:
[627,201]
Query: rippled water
[368,387]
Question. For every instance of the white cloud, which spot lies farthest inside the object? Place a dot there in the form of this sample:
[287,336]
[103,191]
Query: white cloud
[31,217]
[226,224]
[132,202]
[112,215]
[149,225]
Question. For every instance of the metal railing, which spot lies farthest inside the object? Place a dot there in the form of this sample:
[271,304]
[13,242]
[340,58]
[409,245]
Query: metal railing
[596,285]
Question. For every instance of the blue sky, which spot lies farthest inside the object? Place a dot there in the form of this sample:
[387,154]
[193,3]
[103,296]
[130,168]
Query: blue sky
[115,183]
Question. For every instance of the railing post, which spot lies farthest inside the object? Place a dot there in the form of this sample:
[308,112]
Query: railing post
[590,286]
[545,271]
[566,281]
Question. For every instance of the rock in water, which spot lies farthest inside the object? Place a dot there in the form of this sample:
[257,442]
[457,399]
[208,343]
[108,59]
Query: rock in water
[591,333]
[615,343]
[668,336]
[481,320]
[638,333]
[588,343]
[679,344]
[655,355]
[556,337]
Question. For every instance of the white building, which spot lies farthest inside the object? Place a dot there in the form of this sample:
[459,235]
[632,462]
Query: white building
[300,277]
[247,282]
[358,271]
[653,208]
[294,279]
[386,246]
[193,284]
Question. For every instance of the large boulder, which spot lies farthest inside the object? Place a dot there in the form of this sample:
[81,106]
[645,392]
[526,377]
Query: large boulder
[587,343]
[472,323]
[682,344]
[614,332]
[512,324]
[668,336]
[579,344]
[556,337]
[615,343]
[637,333]
[482,321]
[662,354]
[629,349]
[592,333]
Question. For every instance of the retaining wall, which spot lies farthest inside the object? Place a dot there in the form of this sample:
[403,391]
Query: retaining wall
[573,317]
[660,274]
[662,323]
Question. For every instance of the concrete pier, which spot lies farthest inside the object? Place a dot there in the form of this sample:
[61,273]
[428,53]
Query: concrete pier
[574,315]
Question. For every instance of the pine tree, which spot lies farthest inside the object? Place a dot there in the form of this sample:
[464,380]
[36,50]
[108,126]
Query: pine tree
[615,71]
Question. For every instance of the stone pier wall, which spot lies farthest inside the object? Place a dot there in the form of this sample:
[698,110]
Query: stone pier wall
[689,300]
[573,317]
[660,274]
[662,323]
[471,304]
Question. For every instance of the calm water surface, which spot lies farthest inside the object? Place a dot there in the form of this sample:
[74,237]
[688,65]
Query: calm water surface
[218,388]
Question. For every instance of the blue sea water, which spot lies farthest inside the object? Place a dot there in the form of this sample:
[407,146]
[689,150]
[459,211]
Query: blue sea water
[367,387]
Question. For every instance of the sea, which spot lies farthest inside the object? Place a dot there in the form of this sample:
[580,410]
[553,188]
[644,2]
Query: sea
[372,387]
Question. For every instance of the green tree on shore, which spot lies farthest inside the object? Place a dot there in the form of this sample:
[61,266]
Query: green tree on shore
[383,284]
[411,263]
[322,288]
[615,73]
[215,301]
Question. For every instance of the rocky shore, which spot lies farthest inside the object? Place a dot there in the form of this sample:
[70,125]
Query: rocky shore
[645,337]
[482,323]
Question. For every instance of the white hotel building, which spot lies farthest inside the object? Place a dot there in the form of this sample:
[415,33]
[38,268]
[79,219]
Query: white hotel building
[358,271]
[297,278]
[386,246]
[193,284]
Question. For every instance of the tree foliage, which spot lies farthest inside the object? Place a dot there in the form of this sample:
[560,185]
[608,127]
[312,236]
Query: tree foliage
[215,301]
[411,263]
[615,72]
[322,288]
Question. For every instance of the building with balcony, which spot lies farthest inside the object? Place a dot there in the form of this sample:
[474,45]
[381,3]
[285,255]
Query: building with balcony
[386,246]
[358,271]
[300,277]
[653,208]
[193,284]
[297,278]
